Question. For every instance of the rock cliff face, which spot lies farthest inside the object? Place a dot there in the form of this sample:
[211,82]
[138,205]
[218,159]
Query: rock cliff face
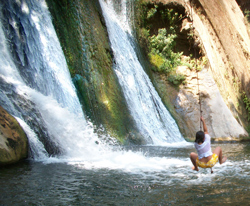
[223,36]
[221,33]
[13,140]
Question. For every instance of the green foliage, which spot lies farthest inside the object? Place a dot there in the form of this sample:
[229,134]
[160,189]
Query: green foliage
[248,129]
[161,52]
[162,43]
[145,33]
[246,100]
[196,64]
[176,79]
[144,36]
[247,15]
[160,46]
[201,62]
[151,12]
[157,61]
[172,18]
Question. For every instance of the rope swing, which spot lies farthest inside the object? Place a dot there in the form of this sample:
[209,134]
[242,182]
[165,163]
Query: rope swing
[198,85]
[197,72]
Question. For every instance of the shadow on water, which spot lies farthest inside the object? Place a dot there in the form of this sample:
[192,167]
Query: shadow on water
[73,183]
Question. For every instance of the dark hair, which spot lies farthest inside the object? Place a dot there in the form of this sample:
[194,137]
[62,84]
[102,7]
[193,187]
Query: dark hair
[199,137]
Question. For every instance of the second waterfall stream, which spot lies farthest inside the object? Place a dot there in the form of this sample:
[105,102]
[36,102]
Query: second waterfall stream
[151,116]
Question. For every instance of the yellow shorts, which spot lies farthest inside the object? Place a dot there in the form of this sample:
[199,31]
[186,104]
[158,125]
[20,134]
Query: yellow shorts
[209,164]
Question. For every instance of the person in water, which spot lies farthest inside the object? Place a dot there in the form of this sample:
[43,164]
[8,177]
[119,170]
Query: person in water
[205,158]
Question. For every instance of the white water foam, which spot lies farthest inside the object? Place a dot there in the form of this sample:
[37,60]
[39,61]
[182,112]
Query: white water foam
[37,148]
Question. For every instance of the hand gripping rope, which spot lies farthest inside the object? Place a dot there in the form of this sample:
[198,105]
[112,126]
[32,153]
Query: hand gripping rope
[197,72]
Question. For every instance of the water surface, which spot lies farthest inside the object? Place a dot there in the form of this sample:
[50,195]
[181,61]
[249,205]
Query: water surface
[162,176]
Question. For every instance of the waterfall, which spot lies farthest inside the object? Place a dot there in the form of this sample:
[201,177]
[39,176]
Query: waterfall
[146,107]
[35,84]
[36,88]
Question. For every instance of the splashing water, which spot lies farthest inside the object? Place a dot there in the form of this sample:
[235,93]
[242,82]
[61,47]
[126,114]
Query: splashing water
[148,183]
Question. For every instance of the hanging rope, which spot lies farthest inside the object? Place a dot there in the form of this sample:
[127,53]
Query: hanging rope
[197,72]
[198,85]
[196,65]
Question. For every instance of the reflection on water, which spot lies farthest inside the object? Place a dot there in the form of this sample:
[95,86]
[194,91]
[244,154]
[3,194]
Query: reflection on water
[71,183]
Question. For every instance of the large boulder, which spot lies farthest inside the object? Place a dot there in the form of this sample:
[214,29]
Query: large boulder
[13,140]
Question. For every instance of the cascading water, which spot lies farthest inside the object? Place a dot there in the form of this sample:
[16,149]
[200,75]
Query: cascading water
[36,88]
[35,82]
[151,116]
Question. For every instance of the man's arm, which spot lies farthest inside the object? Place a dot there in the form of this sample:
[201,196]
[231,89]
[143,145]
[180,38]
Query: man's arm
[204,126]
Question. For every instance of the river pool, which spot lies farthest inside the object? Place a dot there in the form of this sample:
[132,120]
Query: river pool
[157,176]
